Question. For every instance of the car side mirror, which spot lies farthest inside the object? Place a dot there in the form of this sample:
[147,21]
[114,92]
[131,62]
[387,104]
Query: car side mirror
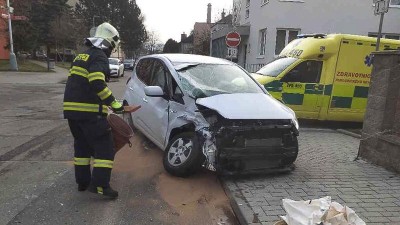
[154,91]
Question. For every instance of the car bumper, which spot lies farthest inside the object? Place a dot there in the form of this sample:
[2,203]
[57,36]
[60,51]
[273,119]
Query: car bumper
[255,151]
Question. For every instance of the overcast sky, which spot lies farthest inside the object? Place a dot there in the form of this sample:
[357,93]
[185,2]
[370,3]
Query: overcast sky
[169,18]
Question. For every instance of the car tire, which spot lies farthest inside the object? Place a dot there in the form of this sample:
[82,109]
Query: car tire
[183,156]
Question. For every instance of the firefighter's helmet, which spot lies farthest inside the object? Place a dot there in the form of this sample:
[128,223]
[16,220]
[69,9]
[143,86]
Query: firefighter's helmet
[107,32]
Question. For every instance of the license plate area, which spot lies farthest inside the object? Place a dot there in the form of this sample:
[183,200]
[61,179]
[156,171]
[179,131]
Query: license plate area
[267,142]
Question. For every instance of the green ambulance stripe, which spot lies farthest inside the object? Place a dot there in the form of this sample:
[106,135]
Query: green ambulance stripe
[360,93]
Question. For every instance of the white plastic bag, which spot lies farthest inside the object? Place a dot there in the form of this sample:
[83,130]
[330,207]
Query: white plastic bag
[305,212]
[319,211]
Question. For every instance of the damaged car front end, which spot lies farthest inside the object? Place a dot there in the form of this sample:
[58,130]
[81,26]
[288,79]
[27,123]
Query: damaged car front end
[243,131]
[241,146]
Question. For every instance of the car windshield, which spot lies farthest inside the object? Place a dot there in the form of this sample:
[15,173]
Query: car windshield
[128,61]
[113,61]
[205,80]
[276,67]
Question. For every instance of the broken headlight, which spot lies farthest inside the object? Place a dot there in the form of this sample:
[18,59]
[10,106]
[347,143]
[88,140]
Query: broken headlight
[295,123]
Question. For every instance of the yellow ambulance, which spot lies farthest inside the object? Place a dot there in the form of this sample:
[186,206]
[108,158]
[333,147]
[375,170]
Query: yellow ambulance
[324,77]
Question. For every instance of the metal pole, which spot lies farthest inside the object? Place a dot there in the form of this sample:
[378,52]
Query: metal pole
[13,58]
[380,32]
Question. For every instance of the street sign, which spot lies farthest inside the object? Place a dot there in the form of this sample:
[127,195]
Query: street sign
[381,6]
[232,39]
[232,53]
[13,17]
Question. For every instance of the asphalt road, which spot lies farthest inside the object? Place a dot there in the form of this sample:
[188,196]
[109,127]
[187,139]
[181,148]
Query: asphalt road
[36,172]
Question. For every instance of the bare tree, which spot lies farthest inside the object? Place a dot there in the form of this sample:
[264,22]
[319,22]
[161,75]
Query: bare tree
[236,12]
[151,42]
[201,42]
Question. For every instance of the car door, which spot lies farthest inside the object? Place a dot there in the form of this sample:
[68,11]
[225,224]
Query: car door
[156,108]
[137,96]
[301,88]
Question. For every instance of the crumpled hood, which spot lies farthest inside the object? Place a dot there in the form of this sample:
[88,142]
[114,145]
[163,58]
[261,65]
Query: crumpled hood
[247,106]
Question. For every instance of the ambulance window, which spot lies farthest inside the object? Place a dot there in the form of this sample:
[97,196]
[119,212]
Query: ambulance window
[306,72]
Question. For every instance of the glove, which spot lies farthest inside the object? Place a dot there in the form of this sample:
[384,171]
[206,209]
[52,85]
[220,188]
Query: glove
[117,107]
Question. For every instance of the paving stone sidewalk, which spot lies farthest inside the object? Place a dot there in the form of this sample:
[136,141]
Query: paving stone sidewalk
[325,167]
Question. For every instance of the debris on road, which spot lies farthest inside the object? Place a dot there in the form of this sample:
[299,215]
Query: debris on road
[318,211]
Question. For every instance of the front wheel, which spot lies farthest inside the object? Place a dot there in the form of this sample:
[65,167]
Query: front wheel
[183,156]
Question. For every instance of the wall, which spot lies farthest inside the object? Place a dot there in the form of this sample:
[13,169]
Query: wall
[312,16]
[380,142]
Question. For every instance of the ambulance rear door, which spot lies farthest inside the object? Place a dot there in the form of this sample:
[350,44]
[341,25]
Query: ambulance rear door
[352,77]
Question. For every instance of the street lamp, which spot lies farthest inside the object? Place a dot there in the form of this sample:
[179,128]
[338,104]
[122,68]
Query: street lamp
[93,30]
[13,58]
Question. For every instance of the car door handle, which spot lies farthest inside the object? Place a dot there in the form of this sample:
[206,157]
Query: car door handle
[145,100]
[172,111]
[131,88]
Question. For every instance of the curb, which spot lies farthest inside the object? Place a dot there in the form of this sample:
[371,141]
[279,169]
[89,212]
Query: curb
[239,206]
[349,133]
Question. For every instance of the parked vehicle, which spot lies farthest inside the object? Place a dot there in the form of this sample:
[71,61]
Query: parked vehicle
[129,64]
[324,77]
[116,67]
[205,111]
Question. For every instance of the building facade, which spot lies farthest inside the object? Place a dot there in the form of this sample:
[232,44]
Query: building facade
[274,23]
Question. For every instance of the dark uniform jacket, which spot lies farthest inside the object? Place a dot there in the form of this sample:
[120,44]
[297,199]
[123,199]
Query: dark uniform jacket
[86,93]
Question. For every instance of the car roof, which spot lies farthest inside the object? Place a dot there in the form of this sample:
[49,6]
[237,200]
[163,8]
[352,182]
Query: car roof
[190,58]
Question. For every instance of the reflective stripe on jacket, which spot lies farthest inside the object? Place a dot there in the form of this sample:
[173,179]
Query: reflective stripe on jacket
[86,93]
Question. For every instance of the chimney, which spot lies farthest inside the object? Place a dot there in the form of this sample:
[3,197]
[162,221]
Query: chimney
[183,36]
[209,13]
[223,14]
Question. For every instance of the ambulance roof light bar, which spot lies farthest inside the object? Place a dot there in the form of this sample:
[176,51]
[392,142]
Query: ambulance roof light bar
[311,35]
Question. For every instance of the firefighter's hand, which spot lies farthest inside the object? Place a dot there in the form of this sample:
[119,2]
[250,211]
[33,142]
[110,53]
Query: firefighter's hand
[117,107]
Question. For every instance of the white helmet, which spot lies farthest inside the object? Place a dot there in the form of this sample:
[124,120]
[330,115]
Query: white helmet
[108,33]
[105,32]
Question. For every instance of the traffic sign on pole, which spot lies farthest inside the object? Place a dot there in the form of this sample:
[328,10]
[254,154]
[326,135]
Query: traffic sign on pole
[381,6]
[232,39]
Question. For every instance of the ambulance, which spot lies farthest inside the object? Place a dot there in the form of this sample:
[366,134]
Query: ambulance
[324,77]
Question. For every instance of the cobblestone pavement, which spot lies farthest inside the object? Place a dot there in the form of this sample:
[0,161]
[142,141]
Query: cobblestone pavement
[325,167]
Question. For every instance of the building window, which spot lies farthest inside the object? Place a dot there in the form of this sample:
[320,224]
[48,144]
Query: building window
[262,41]
[385,35]
[395,3]
[247,13]
[284,37]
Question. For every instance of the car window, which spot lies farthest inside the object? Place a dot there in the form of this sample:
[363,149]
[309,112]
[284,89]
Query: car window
[143,70]
[158,76]
[306,72]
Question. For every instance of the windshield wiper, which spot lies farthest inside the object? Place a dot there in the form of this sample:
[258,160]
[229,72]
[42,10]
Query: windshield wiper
[185,66]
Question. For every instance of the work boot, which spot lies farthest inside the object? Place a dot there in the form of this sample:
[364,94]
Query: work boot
[82,187]
[105,191]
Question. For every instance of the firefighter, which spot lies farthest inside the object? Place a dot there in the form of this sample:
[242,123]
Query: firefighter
[86,102]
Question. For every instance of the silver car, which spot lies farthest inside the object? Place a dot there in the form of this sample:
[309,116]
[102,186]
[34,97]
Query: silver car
[205,111]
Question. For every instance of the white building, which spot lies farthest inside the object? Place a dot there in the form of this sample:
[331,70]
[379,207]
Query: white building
[274,23]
